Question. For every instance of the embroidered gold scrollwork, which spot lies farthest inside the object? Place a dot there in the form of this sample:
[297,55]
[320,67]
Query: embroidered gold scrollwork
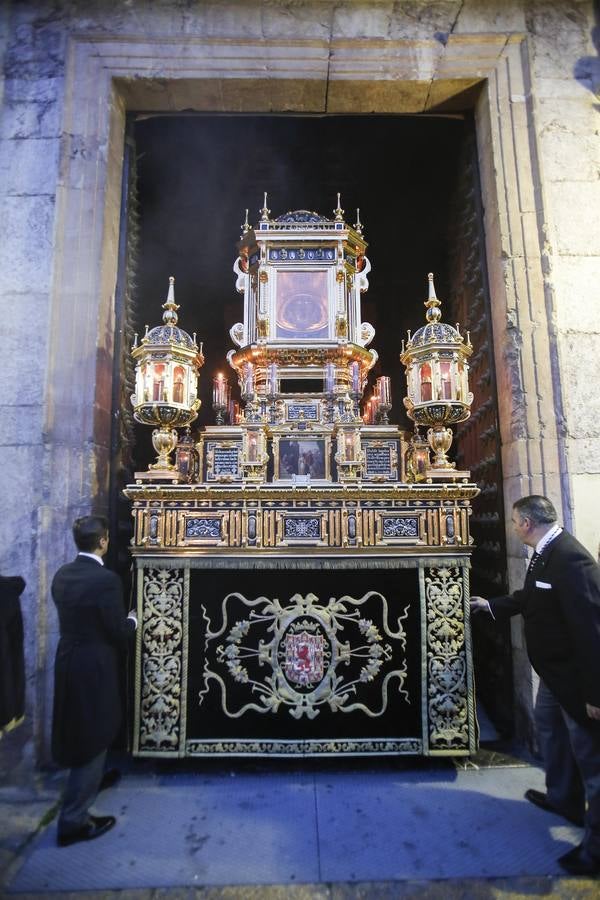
[305,664]
[162,634]
[446,660]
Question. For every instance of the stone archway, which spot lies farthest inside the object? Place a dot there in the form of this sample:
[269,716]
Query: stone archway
[107,77]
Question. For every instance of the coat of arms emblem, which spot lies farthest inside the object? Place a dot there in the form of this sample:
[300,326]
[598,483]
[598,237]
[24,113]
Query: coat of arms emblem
[303,663]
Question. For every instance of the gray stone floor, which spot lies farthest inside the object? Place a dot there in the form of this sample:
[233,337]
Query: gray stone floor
[368,829]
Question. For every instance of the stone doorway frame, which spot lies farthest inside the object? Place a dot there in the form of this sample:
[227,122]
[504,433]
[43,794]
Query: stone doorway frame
[107,77]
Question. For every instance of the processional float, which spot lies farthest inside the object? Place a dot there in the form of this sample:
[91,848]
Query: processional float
[302,564]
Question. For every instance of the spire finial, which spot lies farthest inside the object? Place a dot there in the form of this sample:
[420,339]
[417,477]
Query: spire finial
[358,224]
[339,212]
[169,306]
[432,303]
[246,225]
[264,213]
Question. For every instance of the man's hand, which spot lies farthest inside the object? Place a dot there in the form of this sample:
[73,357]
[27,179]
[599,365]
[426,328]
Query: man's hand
[592,711]
[479,604]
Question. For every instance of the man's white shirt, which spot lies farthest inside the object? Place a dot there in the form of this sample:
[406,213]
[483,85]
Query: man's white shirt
[92,556]
[548,538]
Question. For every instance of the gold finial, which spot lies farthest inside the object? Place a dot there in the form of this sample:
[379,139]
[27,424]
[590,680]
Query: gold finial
[246,225]
[264,213]
[339,212]
[358,224]
[169,306]
[432,303]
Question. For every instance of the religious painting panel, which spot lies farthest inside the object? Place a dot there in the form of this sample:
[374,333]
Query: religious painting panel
[302,456]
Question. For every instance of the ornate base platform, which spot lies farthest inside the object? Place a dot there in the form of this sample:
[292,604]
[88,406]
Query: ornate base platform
[303,622]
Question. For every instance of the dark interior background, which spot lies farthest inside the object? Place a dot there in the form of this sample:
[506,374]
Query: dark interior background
[196,175]
[415,181]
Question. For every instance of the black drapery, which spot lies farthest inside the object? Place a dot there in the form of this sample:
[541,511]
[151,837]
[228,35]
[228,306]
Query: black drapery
[12,659]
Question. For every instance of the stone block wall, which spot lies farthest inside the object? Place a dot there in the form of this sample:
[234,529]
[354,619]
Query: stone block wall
[58,268]
[565,39]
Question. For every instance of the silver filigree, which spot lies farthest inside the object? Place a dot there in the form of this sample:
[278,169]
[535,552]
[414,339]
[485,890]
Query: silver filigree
[296,527]
[400,526]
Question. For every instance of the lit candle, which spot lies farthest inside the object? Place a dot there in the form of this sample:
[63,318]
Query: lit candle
[446,384]
[252,447]
[373,406]
[249,379]
[383,386]
[349,448]
[219,390]
[159,382]
[426,389]
[272,379]
[183,462]
[329,377]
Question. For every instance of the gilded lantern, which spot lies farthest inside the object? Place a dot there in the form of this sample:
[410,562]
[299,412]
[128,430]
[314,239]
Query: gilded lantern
[437,375]
[167,365]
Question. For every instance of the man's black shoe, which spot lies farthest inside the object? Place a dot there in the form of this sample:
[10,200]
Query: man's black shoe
[541,800]
[579,862]
[110,778]
[96,826]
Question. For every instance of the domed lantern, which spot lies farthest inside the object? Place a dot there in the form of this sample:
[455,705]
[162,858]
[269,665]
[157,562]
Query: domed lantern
[167,365]
[436,360]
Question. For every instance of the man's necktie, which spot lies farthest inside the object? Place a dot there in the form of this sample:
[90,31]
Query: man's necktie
[533,563]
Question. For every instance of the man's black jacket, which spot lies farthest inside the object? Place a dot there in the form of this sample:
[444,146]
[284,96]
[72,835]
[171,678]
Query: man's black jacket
[93,623]
[560,604]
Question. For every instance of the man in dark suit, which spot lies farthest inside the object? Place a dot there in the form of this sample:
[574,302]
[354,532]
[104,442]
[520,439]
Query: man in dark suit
[87,707]
[560,605]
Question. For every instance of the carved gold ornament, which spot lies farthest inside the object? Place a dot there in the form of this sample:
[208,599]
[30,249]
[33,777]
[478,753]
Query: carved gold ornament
[447,691]
[162,630]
